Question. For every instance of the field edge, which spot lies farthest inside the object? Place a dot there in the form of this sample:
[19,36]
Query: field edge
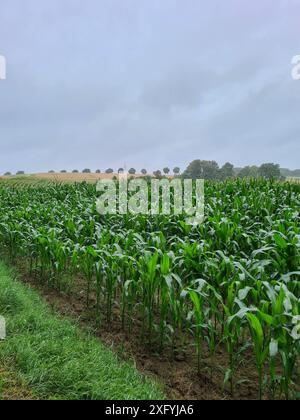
[55,359]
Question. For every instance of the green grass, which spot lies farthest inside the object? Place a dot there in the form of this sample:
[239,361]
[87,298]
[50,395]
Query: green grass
[12,388]
[56,358]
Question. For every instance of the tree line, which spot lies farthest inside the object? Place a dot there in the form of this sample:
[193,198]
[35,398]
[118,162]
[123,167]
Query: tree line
[204,169]
[131,171]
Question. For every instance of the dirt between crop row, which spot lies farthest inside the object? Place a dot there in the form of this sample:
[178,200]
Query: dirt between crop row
[178,374]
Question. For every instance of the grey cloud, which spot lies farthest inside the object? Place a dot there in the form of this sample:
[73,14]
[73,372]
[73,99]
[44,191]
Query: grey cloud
[180,88]
[148,83]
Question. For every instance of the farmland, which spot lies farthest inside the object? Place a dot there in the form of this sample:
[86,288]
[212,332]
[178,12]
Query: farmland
[225,293]
[55,177]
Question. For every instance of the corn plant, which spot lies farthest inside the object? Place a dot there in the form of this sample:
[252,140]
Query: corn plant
[145,270]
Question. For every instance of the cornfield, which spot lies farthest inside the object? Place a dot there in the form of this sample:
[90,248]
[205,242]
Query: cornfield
[230,283]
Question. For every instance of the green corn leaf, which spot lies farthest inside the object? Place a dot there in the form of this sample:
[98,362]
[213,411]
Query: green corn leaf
[243,293]
[257,329]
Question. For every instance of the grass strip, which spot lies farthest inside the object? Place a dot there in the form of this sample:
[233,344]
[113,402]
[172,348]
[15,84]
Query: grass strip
[56,358]
[12,388]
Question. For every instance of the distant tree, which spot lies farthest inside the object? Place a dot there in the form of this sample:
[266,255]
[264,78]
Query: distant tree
[270,171]
[227,171]
[63,171]
[144,172]
[51,172]
[166,171]
[109,171]
[120,171]
[7,174]
[86,171]
[157,174]
[176,170]
[20,173]
[98,171]
[75,171]
[293,174]
[249,172]
[289,173]
[237,170]
[132,171]
[244,172]
[286,172]
[203,169]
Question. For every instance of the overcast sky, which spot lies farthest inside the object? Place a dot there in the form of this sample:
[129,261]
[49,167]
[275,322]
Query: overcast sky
[149,83]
